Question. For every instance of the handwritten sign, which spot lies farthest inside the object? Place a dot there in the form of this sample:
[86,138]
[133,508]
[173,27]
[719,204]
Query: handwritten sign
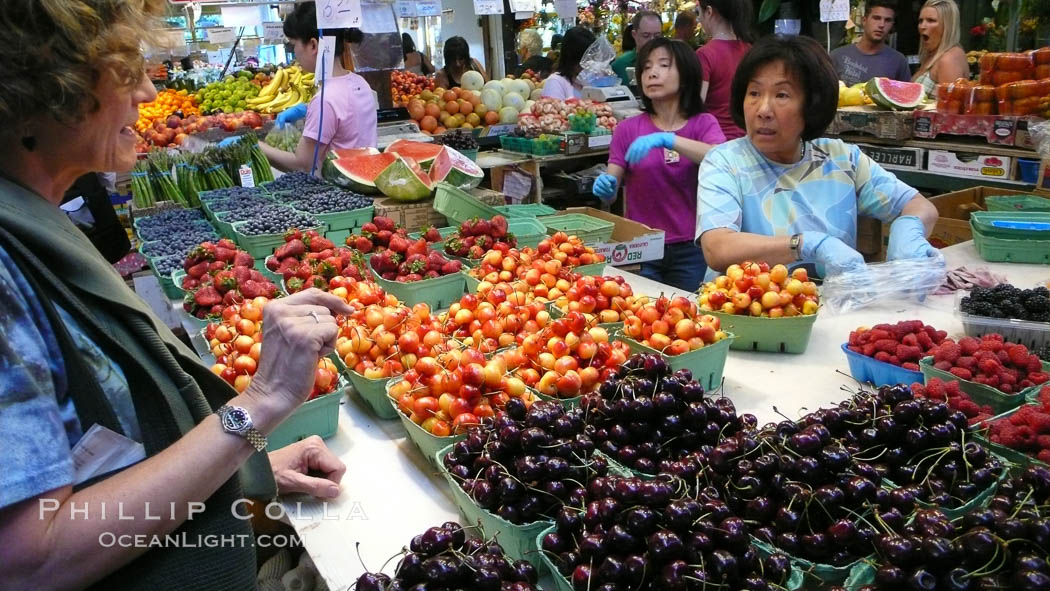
[428,8]
[405,9]
[221,35]
[523,5]
[338,14]
[273,32]
[834,10]
[483,7]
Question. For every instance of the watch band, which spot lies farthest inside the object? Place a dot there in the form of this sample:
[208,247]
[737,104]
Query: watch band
[795,242]
[237,421]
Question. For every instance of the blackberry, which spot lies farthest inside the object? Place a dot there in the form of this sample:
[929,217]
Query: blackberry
[1043,352]
[1041,317]
[1036,303]
[981,309]
[981,294]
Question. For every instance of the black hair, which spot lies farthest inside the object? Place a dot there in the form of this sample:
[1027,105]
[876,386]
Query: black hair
[638,16]
[872,4]
[812,70]
[457,51]
[573,46]
[556,40]
[301,25]
[686,18]
[740,14]
[689,101]
[627,44]
[407,44]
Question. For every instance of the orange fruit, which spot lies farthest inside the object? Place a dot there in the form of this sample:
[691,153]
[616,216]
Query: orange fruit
[491,118]
[452,107]
[474,99]
[428,123]
[433,110]
[439,129]
[416,111]
[465,106]
[449,96]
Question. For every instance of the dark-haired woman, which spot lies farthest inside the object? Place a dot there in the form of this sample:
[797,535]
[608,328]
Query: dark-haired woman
[415,61]
[457,63]
[727,24]
[782,193]
[656,154]
[562,84]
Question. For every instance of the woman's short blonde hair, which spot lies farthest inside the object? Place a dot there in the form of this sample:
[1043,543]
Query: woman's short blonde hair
[57,51]
[948,13]
[529,39]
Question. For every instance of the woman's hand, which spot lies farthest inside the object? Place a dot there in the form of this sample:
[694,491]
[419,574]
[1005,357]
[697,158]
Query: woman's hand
[641,146]
[908,240]
[297,331]
[293,463]
[290,115]
[605,187]
[833,253]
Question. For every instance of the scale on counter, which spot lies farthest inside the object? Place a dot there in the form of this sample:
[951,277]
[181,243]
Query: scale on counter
[618,97]
[392,131]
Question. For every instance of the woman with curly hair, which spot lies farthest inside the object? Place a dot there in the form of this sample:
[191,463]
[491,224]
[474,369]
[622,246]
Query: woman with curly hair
[82,357]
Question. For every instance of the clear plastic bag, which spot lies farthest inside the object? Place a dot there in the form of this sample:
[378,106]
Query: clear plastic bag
[1041,134]
[286,139]
[903,280]
[595,64]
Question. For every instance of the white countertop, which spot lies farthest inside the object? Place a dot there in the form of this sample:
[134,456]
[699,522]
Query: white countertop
[390,493]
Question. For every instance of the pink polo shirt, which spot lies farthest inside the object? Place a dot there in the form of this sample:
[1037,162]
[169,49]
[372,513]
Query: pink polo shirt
[349,114]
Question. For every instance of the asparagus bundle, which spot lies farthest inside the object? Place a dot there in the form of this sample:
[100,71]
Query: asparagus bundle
[215,176]
[141,188]
[161,164]
[261,169]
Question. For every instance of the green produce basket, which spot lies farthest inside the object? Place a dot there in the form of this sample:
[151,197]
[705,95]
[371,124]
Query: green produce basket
[260,246]
[319,416]
[546,566]
[346,220]
[985,222]
[438,293]
[706,363]
[1018,460]
[978,501]
[981,394]
[176,279]
[427,444]
[811,575]
[593,270]
[1017,203]
[471,283]
[527,210]
[536,146]
[1006,250]
[373,392]
[212,195]
[458,205]
[590,229]
[166,284]
[471,154]
[518,541]
[772,335]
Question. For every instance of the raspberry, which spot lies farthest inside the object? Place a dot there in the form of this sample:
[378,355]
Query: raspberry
[968,407]
[887,345]
[918,390]
[1020,417]
[854,337]
[977,419]
[1025,384]
[1025,435]
[868,349]
[878,334]
[943,365]
[992,381]
[937,389]
[988,366]
[969,345]
[991,345]
[1002,356]
[910,365]
[939,336]
[912,326]
[910,340]
[953,388]
[1043,456]
[992,336]
[908,353]
[968,363]
[882,356]
[1038,377]
[947,351]
[986,409]
[1007,388]
[981,379]
[895,360]
[961,373]
[1034,365]
[1043,441]
[1039,422]
[981,355]
[856,349]
[1018,355]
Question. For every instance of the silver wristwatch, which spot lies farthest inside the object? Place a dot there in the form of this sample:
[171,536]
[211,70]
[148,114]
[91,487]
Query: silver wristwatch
[236,420]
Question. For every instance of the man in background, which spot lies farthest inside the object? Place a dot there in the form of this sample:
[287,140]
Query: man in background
[647,25]
[870,57]
[685,27]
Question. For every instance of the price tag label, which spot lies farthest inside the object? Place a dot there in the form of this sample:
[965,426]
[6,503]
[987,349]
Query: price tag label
[523,5]
[241,16]
[565,8]
[338,14]
[221,35]
[273,32]
[428,8]
[247,178]
[522,16]
[483,7]
[834,10]
[502,129]
[405,9]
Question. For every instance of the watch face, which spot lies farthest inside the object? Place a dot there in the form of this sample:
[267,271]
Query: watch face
[235,419]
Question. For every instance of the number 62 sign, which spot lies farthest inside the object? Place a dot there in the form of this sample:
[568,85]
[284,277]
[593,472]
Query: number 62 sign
[338,14]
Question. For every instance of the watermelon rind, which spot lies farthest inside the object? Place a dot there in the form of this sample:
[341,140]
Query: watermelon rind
[894,94]
[353,172]
[404,180]
[422,153]
[452,167]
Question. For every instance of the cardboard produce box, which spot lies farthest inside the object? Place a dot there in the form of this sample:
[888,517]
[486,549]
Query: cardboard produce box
[631,243]
[995,129]
[953,225]
[891,125]
[895,158]
[420,214]
[969,165]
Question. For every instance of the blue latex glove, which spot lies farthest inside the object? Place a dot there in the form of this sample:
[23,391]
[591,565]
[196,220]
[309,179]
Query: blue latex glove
[908,240]
[290,115]
[641,146]
[604,187]
[833,253]
[229,141]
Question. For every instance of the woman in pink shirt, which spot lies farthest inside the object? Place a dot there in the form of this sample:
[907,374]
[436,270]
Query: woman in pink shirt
[727,24]
[656,156]
[349,107]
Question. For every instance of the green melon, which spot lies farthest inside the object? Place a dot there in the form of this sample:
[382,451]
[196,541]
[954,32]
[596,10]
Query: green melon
[454,168]
[357,173]
[894,94]
[404,180]
[422,153]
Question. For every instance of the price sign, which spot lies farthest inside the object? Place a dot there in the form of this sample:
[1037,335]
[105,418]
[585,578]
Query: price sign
[522,16]
[338,14]
[428,8]
[241,16]
[221,35]
[378,18]
[405,9]
[834,10]
[483,7]
[495,130]
[565,8]
[273,32]
[247,178]
[523,5]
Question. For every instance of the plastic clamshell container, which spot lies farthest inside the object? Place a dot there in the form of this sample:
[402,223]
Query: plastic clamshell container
[319,416]
[771,335]
[706,363]
[871,370]
[438,293]
[590,229]
[1029,333]
[518,541]
[458,205]
[428,444]
[981,394]
[526,210]
[1017,203]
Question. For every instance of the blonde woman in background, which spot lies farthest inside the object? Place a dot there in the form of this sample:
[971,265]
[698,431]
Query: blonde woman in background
[941,57]
[530,49]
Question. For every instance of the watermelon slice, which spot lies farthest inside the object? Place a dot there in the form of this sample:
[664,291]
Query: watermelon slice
[423,153]
[404,180]
[455,169]
[357,173]
[893,94]
[340,153]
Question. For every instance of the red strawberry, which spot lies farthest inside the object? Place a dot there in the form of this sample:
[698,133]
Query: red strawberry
[417,247]
[293,234]
[241,274]
[224,254]
[451,267]
[431,234]
[252,289]
[363,244]
[294,284]
[272,263]
[232,298]
[216,266]
[384,223]
[398,244]
[197,271]
[498,226]
[383,238]
[293,248]
[206,297]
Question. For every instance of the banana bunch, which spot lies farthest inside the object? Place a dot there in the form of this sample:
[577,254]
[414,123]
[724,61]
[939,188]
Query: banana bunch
[288,87]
